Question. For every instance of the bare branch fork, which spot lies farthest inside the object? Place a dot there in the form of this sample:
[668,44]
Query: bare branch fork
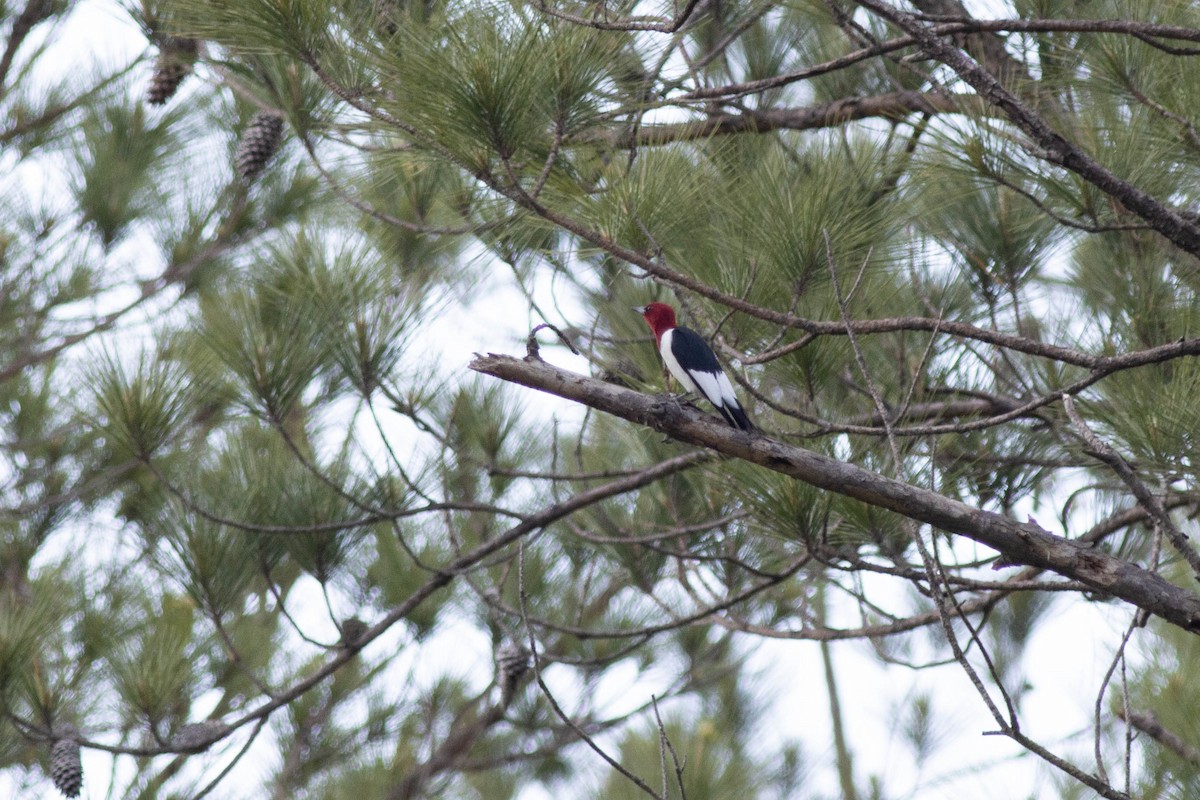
[1148,723]
[1026,543]
[1153,504]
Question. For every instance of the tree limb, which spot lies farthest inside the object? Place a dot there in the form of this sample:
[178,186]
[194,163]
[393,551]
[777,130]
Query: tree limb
[1026,543]
[1147,722]
[891,105]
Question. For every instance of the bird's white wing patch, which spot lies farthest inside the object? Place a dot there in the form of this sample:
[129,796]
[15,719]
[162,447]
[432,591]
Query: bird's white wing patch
[726,390]
[710,386]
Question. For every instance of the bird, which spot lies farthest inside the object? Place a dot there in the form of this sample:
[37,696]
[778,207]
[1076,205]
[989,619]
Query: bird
[692,362]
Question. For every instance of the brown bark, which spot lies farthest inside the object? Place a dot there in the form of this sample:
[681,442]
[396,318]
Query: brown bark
[1023,543]
[892,105]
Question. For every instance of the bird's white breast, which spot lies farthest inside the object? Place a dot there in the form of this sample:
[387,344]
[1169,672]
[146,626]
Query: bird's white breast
[673,365]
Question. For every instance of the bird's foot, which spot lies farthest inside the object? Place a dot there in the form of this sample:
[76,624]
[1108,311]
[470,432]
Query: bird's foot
[679,400]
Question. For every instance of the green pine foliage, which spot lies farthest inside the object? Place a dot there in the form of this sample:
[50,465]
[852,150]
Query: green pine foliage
[251,490]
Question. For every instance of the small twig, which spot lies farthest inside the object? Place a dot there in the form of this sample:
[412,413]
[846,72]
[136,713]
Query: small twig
[551,158]
[771,355]
[1128,727]
[558,710]
[387,444]
[885,414]
[665,746]
[1062,219]
[663,741]
[229,767]
[275,592]
[1118,659]
[1100,787]
[532,351]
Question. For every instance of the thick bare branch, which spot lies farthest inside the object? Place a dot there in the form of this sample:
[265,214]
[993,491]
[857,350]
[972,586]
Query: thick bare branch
[1025,543]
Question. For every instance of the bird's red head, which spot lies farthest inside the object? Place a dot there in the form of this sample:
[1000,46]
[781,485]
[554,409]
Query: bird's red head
[659,316]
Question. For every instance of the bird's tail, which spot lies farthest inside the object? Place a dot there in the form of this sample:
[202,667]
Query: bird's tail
[735,415]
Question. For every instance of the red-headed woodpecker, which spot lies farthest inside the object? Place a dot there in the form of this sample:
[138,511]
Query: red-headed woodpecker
[693,363]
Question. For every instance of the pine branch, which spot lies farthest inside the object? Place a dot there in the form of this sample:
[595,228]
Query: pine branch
[1145,31]
[988,49]
[647,24]
[892,105]
[1147,722]
[1024,543]
[1154,505]
[1021,344]
[34,13]
[1053,147]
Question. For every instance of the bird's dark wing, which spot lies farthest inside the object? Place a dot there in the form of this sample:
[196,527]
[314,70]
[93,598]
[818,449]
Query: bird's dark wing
[692,352]
[697,359]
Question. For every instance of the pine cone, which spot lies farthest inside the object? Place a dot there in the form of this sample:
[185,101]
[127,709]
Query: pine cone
[386,14]
[197,737]
[66,768]
[259,142]
[512,662]
[352,630]
[174,63]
